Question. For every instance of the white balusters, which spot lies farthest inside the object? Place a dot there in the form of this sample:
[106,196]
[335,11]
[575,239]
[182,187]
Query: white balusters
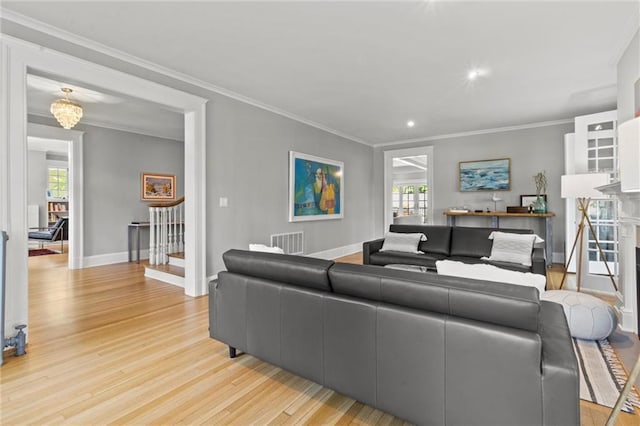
[152,236]
[167,232]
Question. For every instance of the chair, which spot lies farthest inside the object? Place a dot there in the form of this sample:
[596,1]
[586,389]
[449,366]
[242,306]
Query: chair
[57,232]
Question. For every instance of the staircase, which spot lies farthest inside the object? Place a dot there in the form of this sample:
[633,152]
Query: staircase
[166,243]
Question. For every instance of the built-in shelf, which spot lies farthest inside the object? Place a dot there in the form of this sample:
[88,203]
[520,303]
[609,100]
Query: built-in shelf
[56,208]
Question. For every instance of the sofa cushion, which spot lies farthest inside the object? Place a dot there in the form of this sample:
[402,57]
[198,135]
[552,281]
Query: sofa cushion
[402,242]
[475,242]
[387,257]
[497,303]
[295,270]
[510,247]
[438,237]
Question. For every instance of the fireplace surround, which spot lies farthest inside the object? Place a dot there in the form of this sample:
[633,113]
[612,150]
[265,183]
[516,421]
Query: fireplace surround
[628,299]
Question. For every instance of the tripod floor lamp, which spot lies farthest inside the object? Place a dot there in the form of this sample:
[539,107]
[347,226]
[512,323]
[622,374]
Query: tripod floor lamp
[582,187]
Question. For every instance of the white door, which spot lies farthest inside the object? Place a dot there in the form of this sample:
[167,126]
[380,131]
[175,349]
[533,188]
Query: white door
[408,176]
[594,150]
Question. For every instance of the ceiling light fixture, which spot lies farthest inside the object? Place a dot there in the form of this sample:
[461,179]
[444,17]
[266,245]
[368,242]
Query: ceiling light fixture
[67,112]
[410,123]
[473,74]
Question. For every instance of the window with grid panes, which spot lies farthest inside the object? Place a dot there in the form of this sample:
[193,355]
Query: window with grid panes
[58,182]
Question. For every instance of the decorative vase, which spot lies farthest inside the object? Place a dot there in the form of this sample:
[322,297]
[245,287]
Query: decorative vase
[540,205]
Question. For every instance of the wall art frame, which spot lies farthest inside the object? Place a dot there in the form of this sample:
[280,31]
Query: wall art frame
[484,175]
[157,187]
[316,188]
[528,199]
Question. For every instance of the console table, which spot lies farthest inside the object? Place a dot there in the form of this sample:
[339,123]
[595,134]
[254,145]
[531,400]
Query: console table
[135,228]
[495,223]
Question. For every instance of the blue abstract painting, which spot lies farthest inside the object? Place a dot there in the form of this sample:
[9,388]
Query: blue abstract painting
[485,175]
[315,188]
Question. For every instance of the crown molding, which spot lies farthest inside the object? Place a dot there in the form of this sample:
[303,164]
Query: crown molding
[67,36]
[476,132]
[116,126]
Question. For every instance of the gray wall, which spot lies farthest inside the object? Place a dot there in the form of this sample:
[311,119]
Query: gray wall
[530,150]
[37,183]
[113,161]
[247,162]
[629,81]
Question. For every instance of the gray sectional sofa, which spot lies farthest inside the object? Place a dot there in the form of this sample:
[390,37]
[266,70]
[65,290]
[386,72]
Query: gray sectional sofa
[426,348]
[458,243]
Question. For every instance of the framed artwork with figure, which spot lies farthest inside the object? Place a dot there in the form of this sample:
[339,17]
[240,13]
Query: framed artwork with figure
[316,188]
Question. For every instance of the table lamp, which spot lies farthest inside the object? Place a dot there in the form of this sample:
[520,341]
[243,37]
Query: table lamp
[582,187]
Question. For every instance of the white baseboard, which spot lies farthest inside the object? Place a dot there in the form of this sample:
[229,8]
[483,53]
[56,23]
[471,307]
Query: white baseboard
[337,252]
[110,258]
[164,277]
[627,321]
[557,257]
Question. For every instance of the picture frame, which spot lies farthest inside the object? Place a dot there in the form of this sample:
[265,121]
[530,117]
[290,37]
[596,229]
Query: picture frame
[528,199]
[316,188]
[157,187]
[485,175]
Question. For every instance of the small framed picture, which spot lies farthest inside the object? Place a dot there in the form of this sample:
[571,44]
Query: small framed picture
[527,200]
[156,186]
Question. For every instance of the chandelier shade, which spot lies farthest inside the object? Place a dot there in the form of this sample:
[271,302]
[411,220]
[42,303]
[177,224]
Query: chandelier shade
[67,112]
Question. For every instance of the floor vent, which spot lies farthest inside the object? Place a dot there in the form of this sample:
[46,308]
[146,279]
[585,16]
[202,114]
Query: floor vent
[290,242]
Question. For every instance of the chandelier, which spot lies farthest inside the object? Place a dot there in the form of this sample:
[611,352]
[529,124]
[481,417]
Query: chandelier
[67,112]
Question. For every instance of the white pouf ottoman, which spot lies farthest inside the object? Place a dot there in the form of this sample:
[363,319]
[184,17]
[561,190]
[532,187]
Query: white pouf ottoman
[589,317]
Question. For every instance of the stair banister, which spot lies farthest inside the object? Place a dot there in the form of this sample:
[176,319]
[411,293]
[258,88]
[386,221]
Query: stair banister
[166,230]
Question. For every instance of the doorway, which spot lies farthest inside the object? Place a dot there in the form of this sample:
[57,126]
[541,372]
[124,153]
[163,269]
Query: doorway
[408,186]
[594,149]
[71,140]
[18,59]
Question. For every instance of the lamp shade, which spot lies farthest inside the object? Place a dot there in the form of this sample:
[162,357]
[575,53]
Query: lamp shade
[582,185]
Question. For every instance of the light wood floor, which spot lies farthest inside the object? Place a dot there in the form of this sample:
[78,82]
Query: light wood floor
[110,346]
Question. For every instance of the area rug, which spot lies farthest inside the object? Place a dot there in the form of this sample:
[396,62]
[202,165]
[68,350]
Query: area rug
[41,252]
[602,375]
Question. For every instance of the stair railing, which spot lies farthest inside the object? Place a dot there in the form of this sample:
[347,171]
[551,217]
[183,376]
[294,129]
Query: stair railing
[166,230]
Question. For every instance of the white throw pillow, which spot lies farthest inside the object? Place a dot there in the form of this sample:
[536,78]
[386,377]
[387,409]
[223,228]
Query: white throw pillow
[491,273]
[404,242]
[267,249]
[514,248]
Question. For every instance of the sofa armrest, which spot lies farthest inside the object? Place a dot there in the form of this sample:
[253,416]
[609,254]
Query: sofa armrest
[560,381]
[538,262]
[370,247]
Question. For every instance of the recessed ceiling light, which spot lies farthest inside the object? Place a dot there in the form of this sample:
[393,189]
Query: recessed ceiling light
[410,123]
[473,74]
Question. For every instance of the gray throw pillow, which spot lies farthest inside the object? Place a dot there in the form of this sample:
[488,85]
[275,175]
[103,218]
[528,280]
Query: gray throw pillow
[515,248]
[403,242]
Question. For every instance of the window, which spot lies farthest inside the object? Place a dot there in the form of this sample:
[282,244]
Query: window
[58,183]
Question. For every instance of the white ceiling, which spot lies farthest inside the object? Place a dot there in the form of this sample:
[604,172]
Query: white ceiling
[365,68]
[105,110]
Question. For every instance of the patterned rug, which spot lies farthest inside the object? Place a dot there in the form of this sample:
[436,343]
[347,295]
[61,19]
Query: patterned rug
[41,252]
[602,375]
